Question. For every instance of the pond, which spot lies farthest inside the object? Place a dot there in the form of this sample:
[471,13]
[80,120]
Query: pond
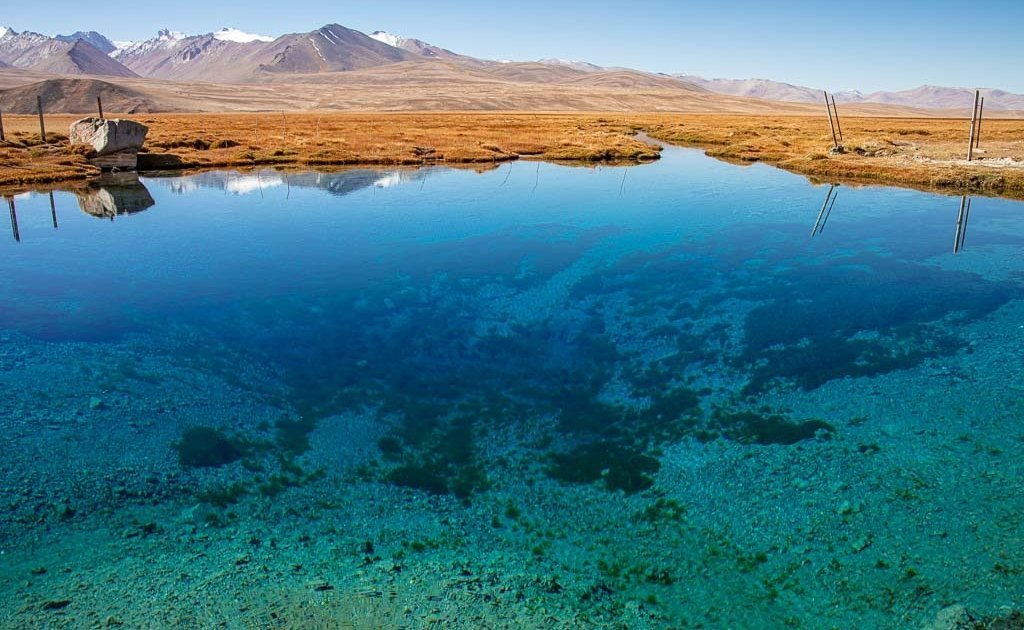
[684,394]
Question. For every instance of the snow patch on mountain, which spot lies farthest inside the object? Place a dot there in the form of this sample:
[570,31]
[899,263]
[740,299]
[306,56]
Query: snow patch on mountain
[388,38]
[4,30]
[228,34]
[165,38]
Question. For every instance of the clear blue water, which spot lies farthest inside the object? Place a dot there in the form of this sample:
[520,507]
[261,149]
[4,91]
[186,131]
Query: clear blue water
[674,395]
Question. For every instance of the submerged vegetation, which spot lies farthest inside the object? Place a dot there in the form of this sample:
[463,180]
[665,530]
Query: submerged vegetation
[205,447]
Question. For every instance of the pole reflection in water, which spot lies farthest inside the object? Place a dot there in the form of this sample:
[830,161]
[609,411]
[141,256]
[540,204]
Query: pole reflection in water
[961,224]
[826,211]
[53,210]
[14,219]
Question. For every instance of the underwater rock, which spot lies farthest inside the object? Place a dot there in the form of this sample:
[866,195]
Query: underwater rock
[955,617]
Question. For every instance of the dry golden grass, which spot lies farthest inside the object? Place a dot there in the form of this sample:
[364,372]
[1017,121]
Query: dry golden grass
[923,153]
[208,140]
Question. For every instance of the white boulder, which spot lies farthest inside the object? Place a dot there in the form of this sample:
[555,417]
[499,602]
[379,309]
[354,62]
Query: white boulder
[106,137]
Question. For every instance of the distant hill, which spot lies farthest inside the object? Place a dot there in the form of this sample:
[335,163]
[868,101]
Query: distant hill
[756,88]
[934,97]
[924,97]
[75,96]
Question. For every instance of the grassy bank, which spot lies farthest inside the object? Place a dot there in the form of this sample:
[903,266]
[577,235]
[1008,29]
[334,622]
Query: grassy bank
[921,153]
[212,140]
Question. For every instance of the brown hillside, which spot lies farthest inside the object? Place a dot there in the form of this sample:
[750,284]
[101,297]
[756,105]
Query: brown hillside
[74,96]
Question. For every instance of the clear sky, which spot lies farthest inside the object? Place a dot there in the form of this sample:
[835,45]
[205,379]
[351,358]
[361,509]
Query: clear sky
[867,45]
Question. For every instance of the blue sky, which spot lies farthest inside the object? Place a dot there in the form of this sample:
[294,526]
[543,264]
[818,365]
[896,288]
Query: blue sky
[867,45]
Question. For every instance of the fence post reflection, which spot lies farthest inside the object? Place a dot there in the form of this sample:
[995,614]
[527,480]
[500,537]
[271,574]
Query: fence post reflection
[14,219]
[53,210]
[961,224]
[826,211]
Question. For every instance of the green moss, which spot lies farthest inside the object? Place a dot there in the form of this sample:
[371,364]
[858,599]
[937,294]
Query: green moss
[426,476]
[205,447]
[512,512]
[620,467]
[662,510]
[756,428]
[390,446]
[223,496]
[293,435]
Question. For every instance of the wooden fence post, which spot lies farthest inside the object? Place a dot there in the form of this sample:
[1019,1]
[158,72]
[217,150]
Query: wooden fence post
[974,122]
[2,138]
[99,106]
[830,123]
[42,125]
[977,133]
[836,111]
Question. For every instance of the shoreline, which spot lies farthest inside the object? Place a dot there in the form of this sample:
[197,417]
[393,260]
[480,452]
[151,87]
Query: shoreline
[908,153]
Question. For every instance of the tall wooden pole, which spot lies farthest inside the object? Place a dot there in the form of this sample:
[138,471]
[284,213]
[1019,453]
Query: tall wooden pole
[835,110]
[2,138]
[977,133]
[42,125]
[831,124]
[974,122]
[99,106]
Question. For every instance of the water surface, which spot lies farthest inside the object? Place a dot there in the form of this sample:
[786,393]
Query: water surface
[686,394]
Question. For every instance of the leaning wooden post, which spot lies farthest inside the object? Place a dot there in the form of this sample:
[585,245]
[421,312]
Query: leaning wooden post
[977,132]
[2,138]
[836,111]
[974,122]
[99,106]
[830,123]
[42,125]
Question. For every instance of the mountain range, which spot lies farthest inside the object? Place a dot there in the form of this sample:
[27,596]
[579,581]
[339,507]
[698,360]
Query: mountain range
[232,56]
[924,97]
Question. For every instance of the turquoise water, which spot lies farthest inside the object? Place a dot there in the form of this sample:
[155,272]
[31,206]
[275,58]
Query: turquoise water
[684,394]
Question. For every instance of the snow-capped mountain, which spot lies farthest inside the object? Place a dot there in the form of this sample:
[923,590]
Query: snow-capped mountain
[234,56]
[415,46]
[98,41]
[58,55]
[574,64]
[4,30]
[18,49]
[228,34]
[388,38]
